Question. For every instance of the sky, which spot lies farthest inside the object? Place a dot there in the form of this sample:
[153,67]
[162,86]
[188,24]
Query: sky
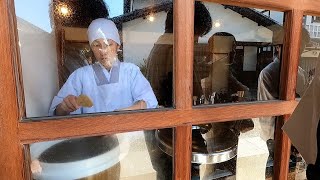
[36,12]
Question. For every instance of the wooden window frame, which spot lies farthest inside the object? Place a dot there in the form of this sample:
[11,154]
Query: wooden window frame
[14,134]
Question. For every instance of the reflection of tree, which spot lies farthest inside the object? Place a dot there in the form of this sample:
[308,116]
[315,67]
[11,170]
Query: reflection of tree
[81,12]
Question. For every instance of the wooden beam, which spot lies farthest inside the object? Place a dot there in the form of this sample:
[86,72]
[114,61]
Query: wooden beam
[11,156]
[291,54]
[289,69]
[284,5]
[183,18]
[282,150]
[100,124]
[17,67]
[183,53]
[182,152]
[11,153]
[311,7]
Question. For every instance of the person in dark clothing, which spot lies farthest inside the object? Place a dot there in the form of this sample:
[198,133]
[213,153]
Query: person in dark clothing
[160,76]
[160,60]
[313,170]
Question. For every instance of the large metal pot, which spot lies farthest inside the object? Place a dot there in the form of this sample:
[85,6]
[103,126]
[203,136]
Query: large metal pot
[222,148]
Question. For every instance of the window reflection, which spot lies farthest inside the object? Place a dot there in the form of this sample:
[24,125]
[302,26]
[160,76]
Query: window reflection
[64,47]
[113,52]
[309,48]
[160,61]
[221,79]
[241,43]
[227,150]
[110,157]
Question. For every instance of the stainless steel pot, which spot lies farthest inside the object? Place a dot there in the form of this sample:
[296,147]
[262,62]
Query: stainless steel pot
[223,146]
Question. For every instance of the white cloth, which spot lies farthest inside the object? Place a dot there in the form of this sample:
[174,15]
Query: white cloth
[268,89]
[103,28]
[131,87]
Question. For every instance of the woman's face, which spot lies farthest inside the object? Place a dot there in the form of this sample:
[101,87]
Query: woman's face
[105,51]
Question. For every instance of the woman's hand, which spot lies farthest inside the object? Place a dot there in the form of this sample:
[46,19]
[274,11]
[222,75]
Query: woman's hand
[68,105]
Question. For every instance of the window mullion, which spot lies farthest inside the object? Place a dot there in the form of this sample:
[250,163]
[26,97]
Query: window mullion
[183,73]
[289,69]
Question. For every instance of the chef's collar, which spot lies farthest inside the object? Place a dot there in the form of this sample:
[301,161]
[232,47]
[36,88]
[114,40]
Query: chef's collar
[101,78]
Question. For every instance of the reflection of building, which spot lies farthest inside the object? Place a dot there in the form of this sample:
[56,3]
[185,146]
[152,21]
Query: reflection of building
[139,33]
[308,61]
[256,35]
[310,56]
[312,24]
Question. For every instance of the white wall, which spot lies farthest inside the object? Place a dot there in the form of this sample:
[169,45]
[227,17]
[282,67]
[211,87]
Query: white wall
[39,68]
[139,35]
[242,28]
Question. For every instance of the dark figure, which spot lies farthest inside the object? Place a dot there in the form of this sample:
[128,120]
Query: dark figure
[160,60]
[160,76]
[313,170]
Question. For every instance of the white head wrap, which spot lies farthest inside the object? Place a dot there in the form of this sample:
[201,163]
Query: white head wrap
[103,28]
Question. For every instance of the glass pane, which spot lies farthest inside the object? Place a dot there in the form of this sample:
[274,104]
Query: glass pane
[242,149]
[132,155]
[122,61]
[309,55]
[237,54]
